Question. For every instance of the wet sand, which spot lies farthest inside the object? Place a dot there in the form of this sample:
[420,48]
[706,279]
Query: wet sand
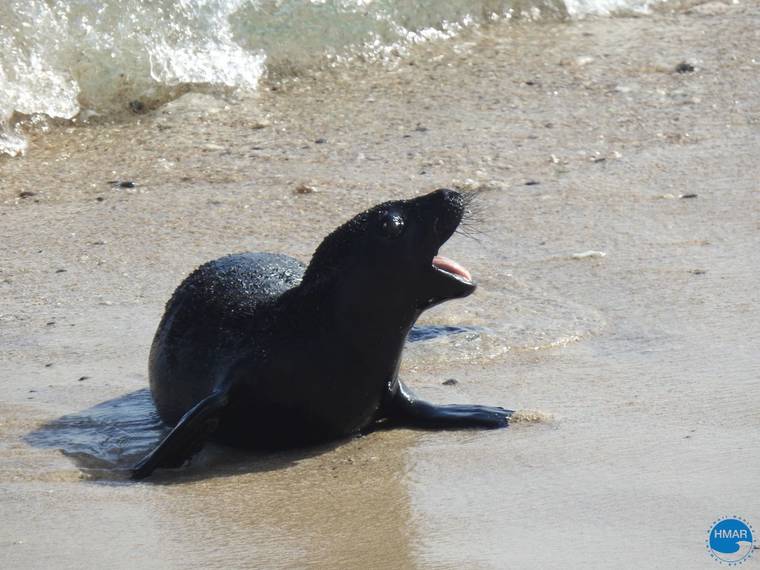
[642,364]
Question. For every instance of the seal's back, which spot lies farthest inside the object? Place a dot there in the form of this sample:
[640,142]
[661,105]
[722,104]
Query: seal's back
[209,315]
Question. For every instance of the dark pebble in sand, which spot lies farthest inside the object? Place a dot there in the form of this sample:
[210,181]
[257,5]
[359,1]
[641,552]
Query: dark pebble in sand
[304,188]
[81,378]
[99,198]
[531,83]
[698,271]
[450,382]
[60,271]
[137,106]
[50,324]
[420,129]
[48,365]
[122,183]
[684,67]
[686,196]
[26,194]
[532,183]
[320,141]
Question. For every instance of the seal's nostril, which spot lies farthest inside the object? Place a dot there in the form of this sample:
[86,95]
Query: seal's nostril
[448,195]
[452,199]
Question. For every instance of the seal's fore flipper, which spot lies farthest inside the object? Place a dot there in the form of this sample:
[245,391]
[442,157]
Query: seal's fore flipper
[405,409]
[186,438]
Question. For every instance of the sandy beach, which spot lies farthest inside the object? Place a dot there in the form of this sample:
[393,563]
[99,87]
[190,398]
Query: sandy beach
[616,244]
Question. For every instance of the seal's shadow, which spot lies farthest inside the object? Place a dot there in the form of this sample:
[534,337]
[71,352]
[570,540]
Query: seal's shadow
[108,439]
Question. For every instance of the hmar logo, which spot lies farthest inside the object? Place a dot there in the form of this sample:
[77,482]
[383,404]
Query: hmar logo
[730,540]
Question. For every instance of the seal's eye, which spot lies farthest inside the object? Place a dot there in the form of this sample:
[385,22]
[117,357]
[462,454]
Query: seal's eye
[391,224]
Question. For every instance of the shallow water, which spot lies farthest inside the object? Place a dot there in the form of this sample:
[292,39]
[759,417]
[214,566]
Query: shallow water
[640,367]
[112,435]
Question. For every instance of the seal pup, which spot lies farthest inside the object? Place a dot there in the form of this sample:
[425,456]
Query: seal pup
[261,352]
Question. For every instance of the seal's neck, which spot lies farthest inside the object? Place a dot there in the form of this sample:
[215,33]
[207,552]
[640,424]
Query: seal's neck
[369,322]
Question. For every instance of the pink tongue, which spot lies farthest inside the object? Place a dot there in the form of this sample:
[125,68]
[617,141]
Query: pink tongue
[451,266]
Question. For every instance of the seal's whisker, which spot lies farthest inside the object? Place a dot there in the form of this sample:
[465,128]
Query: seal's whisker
[472,220]
[473,217]
[471,232]
[469,236]
[473,209]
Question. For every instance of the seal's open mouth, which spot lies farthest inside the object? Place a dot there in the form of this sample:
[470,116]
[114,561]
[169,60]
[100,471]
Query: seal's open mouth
[452,268]
[446,279]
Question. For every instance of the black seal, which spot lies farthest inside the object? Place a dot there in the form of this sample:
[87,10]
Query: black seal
[265,353]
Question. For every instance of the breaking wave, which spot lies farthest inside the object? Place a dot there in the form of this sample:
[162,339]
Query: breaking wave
[69,58]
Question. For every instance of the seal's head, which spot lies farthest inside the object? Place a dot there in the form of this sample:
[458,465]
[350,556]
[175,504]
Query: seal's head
[386,258]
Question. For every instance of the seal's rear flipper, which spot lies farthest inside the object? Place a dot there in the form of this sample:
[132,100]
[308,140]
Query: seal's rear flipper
[186,438]
[405,409]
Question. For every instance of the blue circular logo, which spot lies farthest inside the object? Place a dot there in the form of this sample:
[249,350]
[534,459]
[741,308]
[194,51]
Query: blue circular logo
[730,540]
